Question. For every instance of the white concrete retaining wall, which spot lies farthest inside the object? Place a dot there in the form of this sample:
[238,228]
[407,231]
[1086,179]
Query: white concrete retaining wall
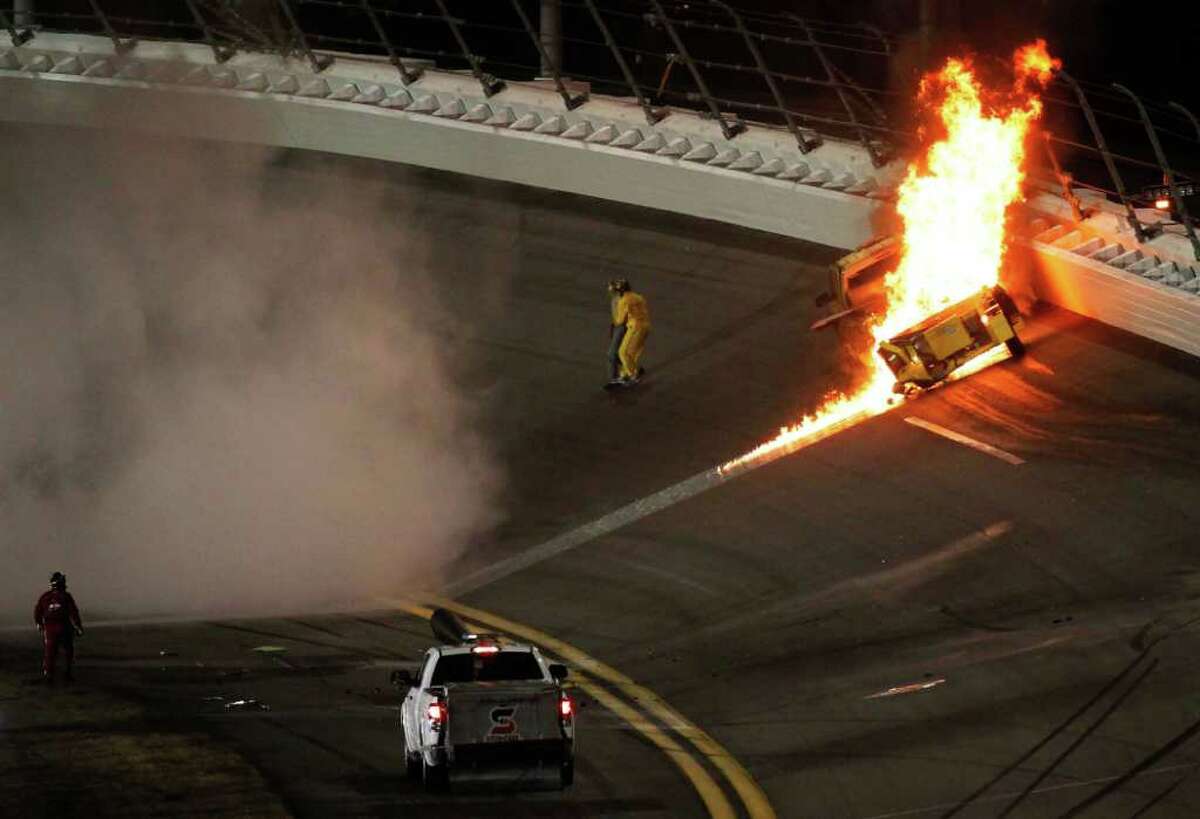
[605,149]
[1098,268]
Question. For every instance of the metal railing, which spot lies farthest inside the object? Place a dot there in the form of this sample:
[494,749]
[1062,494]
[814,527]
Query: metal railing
[814,79]
[1115,128]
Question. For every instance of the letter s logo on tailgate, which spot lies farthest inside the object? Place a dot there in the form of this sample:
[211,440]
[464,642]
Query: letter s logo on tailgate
[503,724]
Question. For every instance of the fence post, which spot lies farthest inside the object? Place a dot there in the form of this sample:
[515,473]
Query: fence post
[550,34]
[1130,214]
[318,62]
[653,115]
[1189,115]
[220,53]
[487,82]
[119,46]
[1064,179]
[18,37]
[877,158]
[1168,174]
[804,144]
[550,65]
[408,76]
[729,129]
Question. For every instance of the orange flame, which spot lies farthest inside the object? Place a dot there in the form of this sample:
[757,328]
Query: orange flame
[1034,60]
[953,202]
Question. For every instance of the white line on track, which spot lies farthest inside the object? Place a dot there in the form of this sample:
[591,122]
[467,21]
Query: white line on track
[959,438]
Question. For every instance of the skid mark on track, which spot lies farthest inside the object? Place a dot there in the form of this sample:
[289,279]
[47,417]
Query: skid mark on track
[663,574]
[1065,786]
[319,629]
[1063,726]
[1142,767]
[340,647]
[1079,740]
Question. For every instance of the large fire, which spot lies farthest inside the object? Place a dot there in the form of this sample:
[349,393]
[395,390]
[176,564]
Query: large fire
[953,204]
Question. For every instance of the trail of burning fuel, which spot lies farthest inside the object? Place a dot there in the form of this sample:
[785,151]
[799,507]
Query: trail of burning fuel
[953,204]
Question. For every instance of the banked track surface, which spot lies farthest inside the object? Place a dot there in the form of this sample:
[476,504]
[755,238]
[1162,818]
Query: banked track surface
[772,610]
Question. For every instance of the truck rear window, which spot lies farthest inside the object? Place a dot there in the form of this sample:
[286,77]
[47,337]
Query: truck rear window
[507,665]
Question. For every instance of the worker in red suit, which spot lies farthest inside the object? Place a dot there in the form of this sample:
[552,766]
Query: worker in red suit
[57,617]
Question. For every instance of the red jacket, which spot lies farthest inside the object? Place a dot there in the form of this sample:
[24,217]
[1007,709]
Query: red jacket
[57,608]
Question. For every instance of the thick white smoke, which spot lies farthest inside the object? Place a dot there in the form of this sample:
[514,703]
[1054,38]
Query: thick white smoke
[218,396]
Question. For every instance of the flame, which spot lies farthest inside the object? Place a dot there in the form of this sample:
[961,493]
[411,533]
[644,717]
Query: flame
[953,202]
[1034,61]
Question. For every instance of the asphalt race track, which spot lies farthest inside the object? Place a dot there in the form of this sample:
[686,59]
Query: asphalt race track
[890,623]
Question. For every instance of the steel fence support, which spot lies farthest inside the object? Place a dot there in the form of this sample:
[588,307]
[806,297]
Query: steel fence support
[220,53]
[1168,174]
[1189,115]
[319,62]
[120,46]
[487,82]
[1064,179]
[17,37]
[1131,216]
[877,158]
[883,40]
[407,75]
[729,129]
[549,64]
[653,115]
[870,104]
[550,35]
[804,144]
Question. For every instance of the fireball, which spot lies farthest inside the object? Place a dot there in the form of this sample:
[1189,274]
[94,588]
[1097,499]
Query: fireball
[953,204]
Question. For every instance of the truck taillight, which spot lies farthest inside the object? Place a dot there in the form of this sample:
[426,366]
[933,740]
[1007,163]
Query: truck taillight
[436,712]
[566,708]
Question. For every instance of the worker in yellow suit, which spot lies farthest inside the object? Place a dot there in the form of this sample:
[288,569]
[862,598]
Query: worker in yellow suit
[631,314]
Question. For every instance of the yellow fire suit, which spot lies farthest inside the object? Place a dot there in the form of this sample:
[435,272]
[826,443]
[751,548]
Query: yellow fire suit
[632,312]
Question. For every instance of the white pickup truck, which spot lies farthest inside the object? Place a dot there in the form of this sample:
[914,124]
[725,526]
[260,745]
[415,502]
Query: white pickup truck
[482,705]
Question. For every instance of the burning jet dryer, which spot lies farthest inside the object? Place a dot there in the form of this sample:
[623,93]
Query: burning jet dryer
[929,352]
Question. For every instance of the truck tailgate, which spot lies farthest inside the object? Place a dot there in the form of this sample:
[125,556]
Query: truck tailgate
[502,712]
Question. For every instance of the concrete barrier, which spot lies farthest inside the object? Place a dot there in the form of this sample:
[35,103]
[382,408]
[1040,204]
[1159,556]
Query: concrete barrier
[605,149]
[1098,268]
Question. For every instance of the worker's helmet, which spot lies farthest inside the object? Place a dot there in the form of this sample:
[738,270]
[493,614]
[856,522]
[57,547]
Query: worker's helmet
[619,286]
[58,580]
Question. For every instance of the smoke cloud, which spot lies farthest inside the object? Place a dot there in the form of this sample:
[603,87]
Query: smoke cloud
[220,394]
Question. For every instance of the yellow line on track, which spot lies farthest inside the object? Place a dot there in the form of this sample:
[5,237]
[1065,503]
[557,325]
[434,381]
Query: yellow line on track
[747,789]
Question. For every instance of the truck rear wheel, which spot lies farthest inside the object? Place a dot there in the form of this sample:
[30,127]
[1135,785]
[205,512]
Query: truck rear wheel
[567,774]
[1015,346]
[434,777]
[412,766]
